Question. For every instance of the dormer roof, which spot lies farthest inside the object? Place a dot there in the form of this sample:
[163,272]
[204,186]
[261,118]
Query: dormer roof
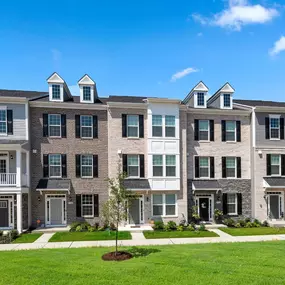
[200,87]
[86,80]
[55,78]
[226,88]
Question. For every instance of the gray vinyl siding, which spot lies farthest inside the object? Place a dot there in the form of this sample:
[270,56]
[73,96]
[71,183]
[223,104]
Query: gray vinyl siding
[260,132]
[19,122]
[216,102]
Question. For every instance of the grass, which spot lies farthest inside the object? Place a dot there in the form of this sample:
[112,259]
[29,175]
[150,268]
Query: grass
[27,238]
[88,236]
[215,264]
[253,231]
[178,234]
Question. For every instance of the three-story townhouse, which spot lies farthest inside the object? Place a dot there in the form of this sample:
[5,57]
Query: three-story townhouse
[15,196]
[218,153]
[69,145]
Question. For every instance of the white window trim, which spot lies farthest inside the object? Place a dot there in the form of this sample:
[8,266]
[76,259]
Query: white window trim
[91,137]
[169,126]
[60,92]
[209,166]
[83,87]
[274,117]
[133,166]
[82,205]
[223,101]
[162,126]
[4,108]
[133,126]
[208,130]
[50,125]
[91,93]
[171,165]
[232,167]
[196,100]
[162,165]
[164,206]
[279,174]
[236,205]
[49,165]
[81,166]
[235,131]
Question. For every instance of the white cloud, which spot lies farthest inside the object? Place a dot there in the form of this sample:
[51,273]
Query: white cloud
[278,47]
[238,14]
[183,73]
[74,90]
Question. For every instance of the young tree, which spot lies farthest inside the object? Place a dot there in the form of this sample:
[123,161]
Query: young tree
[115,210]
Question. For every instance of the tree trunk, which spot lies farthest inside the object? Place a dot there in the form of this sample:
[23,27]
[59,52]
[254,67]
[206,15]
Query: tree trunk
[116,239]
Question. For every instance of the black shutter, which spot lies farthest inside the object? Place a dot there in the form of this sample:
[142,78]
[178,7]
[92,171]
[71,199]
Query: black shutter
[212,130]
[225,203]
[96,205]
[212,167]
[77,126]
[95,166]
[239,205]
[124,125]
[45,125]
[238,130]
[283,164]
[63,126]
[282,128]
[224,168]
[141,126]
[45,165]
[223,130]
[10,122]
[268,164]
[95,127]
[142,166]
[197,174]
[196,130]
[78,206]
[63,166]
[78,165]
[238,167]
[267,128]
[125,163]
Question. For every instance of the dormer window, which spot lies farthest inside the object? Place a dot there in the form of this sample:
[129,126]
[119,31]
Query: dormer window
[227,101]
[86,93]
[55,92]
[200,99]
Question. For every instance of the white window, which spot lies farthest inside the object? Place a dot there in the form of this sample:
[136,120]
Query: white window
[55,92]
[86,93]
[133,165]
[3,122]
[164,205]
[157,164]
[87,166]
[86,123]
[170,165]
[156,125]
[54,122]
[87,206]
[274,128]
[133,126]
[275,164]
[200,99]
[227,101]
[204,167]
[170,126]
[230,130]
[231,168]
[232,203]
[203,130]
[54,165]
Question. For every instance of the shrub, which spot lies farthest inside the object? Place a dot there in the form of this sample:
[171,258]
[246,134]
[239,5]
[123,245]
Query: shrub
[256,225]
[172,225]
[112,227]
[92,229]
[191,228]
[265,224]
[242,223]
[78,228]
[229,222]
[73,226]
[14,234]
[248,225]
[180,228]
[1,233]
[158,225]
[238,225]
[101,229]
[247,220]
[167,228]
[202,228]
[257,222]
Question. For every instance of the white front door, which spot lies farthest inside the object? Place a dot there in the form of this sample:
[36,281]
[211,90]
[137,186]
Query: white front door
[55,210]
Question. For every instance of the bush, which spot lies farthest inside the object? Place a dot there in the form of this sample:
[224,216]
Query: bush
[238,225]
[79,227]
[202,228]
[229,222]
[247,220]
[180,228]
[1,233]
[158,225]
[167,228]
[242,223]
[191,228]
[248,225]
[257,222]
[101,229]
[172,225]
[14,234]
[73,226]
[265,224]
[256,225]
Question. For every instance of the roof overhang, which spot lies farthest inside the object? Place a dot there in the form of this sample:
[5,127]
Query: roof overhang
[53,190]
[162,101]
[212,111]
[68,105]
[127,105]
[274,183]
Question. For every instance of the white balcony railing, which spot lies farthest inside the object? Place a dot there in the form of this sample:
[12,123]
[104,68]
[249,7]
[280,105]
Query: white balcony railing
[10,179]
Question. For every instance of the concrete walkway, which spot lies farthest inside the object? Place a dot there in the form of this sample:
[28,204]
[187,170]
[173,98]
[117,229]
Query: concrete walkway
[44,238]
[139,240]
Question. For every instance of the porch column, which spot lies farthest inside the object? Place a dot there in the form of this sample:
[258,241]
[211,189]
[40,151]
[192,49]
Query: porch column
[28,168]
[19,213]
[18,168]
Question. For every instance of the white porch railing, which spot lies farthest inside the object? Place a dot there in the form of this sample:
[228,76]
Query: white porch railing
[10,179]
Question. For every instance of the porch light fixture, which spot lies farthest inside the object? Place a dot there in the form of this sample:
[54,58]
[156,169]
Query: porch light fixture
[11,156]
[39,198]
[70,198]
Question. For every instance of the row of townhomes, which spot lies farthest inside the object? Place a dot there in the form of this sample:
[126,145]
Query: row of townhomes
[57,150]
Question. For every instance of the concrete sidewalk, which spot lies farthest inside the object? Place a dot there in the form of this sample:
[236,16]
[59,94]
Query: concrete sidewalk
[139,241]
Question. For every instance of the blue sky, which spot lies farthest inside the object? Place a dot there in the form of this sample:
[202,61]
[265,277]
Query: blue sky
[159,48]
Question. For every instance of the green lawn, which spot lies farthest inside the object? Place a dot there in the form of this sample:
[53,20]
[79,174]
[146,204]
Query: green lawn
[27,238]
[215,264]
[88,236]
[178,234]
[253,231]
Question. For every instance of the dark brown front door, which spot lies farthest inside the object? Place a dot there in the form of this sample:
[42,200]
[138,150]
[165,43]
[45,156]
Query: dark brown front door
[204,209]
[4,214]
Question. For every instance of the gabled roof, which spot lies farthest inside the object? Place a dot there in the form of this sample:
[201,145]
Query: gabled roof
[274,182]
[201,86]
[259,103]
[22,94]
[87,80]
[226,88]
[55,78]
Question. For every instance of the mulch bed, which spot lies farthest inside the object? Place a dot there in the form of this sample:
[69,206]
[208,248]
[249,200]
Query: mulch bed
[121,255]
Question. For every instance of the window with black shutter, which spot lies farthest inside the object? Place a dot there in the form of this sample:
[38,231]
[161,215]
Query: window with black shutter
[238,129]
[77,126]
[95,127]
[282,128]
[225,204]
[196,130]
[239,203]
[46,165]
[96,205]
[212,130]
[212,167]
[142,172]
[224,168]
[238,167]
[124,125]
[223,125]
[268,164]
[10,122]
[197,167]
[141,126]
[78,206]
[125,163]
[63,166]
[267,135]
[78,165]
[95,166]
[45,125]
[63,126]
